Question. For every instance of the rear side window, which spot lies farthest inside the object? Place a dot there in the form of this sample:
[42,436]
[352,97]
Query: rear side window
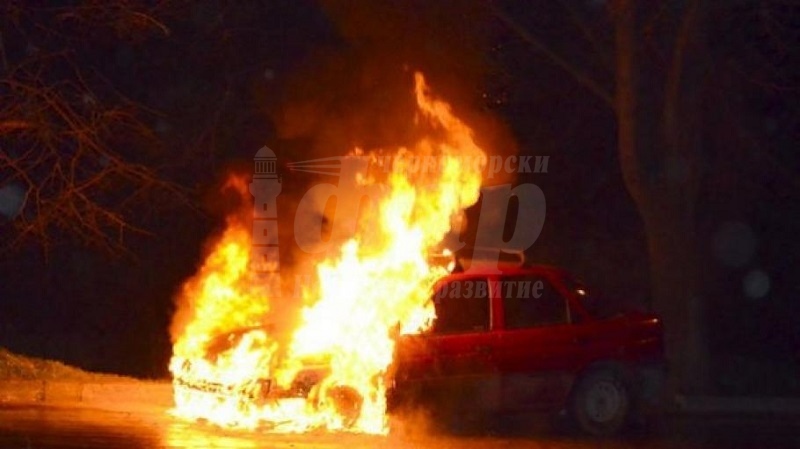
[532,301]
[462,306]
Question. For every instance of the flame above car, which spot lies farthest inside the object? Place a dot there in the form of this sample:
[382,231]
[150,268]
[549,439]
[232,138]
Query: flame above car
[376,283]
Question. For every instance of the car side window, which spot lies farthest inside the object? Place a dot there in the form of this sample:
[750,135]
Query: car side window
[532,301]
[462,306]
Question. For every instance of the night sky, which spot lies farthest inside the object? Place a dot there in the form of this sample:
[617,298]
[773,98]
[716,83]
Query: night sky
[208,83]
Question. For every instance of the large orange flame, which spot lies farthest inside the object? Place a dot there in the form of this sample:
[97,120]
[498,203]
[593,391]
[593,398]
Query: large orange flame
[377,284]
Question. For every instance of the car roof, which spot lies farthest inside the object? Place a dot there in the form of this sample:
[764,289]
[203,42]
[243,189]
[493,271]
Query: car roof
[508,270]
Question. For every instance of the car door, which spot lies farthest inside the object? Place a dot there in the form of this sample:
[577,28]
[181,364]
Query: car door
[453,361]
[459,341]
[536,350]
[461,337]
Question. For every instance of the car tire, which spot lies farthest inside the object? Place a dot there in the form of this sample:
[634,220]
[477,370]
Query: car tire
[348,403]
[601,402]
[344,400]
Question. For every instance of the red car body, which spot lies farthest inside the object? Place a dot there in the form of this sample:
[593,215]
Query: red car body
[535,344]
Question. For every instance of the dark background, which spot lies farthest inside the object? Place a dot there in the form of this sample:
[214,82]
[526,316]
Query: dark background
[311,79]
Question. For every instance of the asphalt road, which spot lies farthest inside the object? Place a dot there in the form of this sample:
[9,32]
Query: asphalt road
[38,426]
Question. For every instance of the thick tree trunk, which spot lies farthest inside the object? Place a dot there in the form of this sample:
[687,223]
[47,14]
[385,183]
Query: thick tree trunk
[672,248]
[658,151]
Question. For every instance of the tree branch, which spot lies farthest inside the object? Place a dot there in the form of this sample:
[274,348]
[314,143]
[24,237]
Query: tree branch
[11,125]
[582,79]
[604,57]
[626,95]
[61,152]
[682,110]
[3,56]
[673,84]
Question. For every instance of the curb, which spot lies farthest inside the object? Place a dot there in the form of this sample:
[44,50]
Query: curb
[738,405]
[113,394]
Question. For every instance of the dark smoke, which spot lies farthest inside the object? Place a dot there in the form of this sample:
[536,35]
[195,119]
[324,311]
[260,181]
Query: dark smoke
[358,93]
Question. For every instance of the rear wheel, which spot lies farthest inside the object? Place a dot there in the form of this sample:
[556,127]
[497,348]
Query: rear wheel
[600,402]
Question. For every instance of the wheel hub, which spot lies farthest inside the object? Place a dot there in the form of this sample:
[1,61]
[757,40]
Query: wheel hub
[603,401]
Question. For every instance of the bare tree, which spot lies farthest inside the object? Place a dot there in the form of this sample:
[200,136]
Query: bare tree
[71,159]
[662,71]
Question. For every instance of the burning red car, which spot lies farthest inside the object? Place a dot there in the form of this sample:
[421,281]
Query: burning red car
[522,339]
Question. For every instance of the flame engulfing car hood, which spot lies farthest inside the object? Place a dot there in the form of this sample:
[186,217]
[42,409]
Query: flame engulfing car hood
[364,289]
